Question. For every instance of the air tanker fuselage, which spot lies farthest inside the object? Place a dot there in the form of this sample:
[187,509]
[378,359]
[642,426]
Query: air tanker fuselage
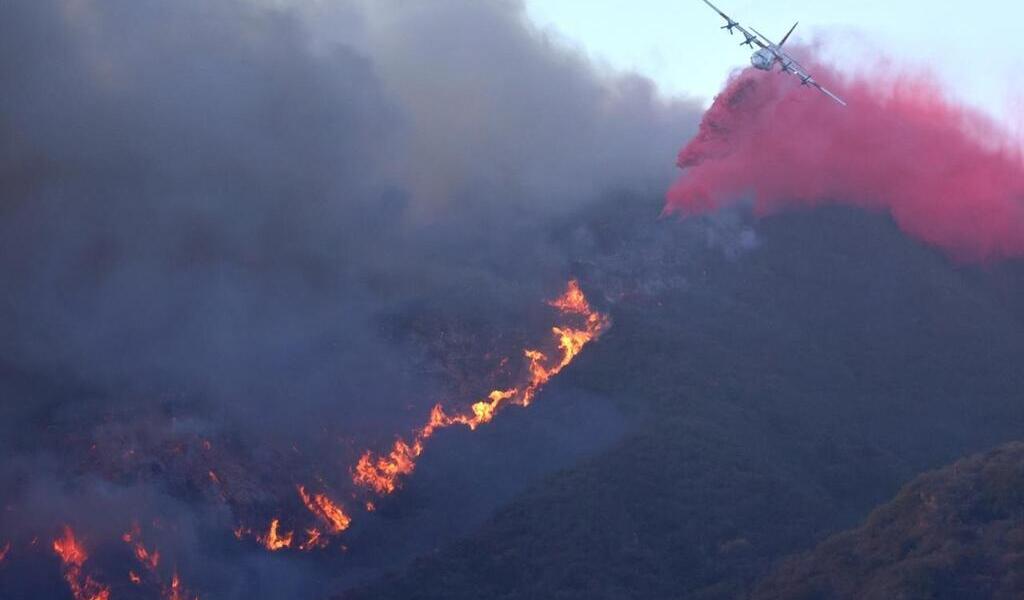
[763,59]
[769,53]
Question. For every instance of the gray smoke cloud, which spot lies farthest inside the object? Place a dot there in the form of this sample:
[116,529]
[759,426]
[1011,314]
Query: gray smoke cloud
[220,218]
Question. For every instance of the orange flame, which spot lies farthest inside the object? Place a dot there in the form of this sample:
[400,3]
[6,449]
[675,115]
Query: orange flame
[69,550]
[275,541]
[573,301]
[73,557]
[382,474]
[329,512]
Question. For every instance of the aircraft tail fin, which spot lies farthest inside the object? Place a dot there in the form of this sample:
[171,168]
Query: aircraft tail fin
[783,42]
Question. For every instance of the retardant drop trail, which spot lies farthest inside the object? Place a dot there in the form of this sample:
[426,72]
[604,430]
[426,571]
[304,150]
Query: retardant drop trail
[947,174]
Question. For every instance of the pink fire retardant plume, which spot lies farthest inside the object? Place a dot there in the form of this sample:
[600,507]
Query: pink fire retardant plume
[946,173]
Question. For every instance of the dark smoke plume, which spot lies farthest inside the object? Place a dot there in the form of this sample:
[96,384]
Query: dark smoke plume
[947,175]
[258,237]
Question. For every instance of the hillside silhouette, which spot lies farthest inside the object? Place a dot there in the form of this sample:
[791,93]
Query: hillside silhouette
[953,533]
[781,381]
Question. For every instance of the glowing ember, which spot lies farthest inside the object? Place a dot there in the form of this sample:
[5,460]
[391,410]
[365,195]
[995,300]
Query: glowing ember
[73,557]
[176,591]
[150,559]
[329,512]
[274,540]
[382,474]
[314,540]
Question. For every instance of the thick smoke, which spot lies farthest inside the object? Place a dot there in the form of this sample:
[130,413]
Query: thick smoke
[199,195]
[946,174]
[271,225]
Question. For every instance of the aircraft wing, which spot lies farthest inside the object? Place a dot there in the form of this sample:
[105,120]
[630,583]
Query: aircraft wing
[752,38]
[762,36]
[790,65]
[826,92]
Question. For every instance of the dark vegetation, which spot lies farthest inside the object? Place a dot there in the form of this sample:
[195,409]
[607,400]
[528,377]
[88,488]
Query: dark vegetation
[953,533]
[778,394]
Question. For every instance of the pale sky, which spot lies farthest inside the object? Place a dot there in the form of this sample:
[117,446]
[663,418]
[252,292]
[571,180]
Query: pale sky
[977,48]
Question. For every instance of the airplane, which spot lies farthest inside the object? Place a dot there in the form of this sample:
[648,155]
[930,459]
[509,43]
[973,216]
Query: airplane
[770,54]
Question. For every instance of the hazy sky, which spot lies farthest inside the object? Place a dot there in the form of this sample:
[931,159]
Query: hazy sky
[975,47]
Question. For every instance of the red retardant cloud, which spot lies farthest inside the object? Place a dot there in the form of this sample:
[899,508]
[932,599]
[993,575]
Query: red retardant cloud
[945,173]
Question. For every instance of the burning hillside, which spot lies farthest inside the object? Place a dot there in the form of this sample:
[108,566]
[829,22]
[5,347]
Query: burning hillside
[326,520]
[252,272]
[73,557]
[288,304]
[382,474]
